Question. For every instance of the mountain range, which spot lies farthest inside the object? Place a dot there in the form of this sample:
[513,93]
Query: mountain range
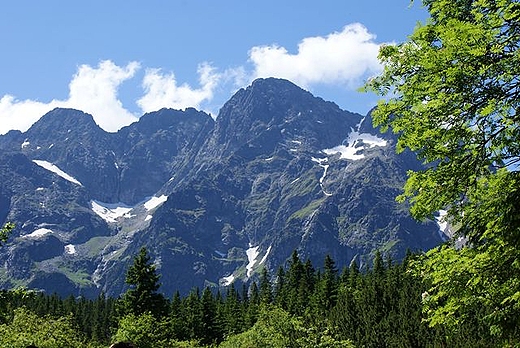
[213,200]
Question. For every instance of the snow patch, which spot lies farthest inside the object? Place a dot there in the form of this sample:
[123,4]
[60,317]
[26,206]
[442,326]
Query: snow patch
[295,180]
[25,144]
[53,168]
[109,212]
[356,142]
[154,202]
[325,168]
[38,233]
[346,152]
[323,162]
[70,249]
[252,254]
[266,254]
[320,160]
[228,280]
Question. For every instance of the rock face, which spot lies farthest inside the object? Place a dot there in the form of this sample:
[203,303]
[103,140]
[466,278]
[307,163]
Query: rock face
[213,201]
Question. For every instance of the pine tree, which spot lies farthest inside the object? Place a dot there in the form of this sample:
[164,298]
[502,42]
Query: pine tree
[280,297]
[192,315]
[177,324]
[210,331]
[294,278]
[142,297]
[266,293]
[233,311]
[328,285]
[252,308]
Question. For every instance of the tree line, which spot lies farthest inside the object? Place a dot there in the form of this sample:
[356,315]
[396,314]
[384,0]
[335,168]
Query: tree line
[298,306]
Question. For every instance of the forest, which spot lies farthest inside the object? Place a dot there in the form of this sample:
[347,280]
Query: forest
[451,93]
[299,306]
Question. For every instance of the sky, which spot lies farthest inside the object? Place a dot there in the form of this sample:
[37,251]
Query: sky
[119,59]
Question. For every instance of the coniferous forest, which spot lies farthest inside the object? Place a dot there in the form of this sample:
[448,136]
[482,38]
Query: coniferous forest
[302,305]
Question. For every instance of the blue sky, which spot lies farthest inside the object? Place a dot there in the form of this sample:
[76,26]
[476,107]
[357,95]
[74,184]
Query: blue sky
[119,59]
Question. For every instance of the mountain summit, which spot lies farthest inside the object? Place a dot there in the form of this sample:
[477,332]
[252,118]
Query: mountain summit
[214,201]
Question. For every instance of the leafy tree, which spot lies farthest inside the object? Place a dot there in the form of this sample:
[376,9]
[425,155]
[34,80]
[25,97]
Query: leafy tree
[144,330]
[453,97]
[46,332]
[277,328]
[143,297]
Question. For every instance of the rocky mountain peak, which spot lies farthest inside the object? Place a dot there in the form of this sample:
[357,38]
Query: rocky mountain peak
[60,122]
[214,201]
[274,110]
[167,119]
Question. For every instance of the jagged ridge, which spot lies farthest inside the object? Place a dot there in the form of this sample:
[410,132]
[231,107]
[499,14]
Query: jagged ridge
[214,200]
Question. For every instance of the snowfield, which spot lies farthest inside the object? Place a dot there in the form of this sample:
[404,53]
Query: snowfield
[356,142]
[53,168]
[109,212]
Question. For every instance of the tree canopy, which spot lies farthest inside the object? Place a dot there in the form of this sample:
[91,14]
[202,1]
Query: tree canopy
[452,94]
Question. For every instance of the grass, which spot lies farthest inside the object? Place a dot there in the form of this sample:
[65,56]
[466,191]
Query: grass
[81,278]
[307,210]
[96,245]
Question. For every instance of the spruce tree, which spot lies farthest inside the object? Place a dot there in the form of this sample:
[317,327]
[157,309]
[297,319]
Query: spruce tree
[266,293]
[142,297]
[210,331]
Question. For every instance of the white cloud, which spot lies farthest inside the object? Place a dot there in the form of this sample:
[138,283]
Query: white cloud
[343,57]
[92,90]
[162,90]
[340,58]
[21,114]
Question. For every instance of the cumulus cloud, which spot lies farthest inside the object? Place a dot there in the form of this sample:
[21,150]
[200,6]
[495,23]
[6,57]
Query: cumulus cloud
[343,57]
[93,90]
[21,114]
[162,90]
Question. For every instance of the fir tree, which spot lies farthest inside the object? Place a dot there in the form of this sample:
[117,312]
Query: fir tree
[142,297]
